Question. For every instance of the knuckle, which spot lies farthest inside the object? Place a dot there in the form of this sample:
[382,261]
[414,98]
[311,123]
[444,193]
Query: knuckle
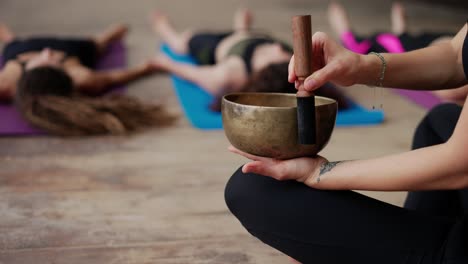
[319,35]
[339,66]
[282,173]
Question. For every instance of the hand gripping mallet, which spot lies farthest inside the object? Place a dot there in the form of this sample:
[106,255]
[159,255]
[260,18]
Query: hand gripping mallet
[302,42]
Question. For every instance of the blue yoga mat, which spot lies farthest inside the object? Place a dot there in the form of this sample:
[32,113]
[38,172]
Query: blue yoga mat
[195,103]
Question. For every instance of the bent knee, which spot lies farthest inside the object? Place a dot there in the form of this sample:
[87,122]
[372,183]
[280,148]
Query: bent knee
[246,193]
[255,199]
[439,113]
[438,123]
[445,111]
[234,192]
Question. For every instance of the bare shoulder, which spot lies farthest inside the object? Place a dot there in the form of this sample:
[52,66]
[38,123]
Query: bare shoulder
[457,42]
[235,71]
[11,68]
[9,77]
[234,63]
[79,73]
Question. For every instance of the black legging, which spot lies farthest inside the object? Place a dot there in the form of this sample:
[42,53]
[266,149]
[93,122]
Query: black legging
[316,226]
[436,128]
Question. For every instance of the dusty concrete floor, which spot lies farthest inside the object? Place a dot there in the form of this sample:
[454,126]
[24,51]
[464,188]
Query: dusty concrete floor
[157,197]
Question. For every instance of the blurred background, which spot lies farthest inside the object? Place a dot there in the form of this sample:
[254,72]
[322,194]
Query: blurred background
[157,196]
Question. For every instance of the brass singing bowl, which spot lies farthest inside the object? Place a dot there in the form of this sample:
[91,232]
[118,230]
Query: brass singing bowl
[265,124]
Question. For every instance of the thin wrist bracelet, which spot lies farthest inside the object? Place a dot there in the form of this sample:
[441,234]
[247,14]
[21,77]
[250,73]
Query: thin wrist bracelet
[382,71]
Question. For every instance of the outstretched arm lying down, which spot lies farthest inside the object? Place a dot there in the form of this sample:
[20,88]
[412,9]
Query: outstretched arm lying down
[212,78]
[95,82]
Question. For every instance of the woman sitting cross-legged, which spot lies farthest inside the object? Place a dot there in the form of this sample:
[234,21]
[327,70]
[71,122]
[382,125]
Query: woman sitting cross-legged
[305,208]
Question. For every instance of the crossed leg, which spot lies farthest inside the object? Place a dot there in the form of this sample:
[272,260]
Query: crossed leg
[243,20]
[161,25]
[178,41]
[338,18]
[398,16]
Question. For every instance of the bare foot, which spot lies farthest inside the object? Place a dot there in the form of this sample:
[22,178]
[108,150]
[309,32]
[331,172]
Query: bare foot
[114,33]
[398,18]
[159,21]
[338,18]
[243,19]
[5,33]
[161,25]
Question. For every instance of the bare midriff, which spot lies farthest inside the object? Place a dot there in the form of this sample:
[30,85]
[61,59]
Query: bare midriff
[226,44]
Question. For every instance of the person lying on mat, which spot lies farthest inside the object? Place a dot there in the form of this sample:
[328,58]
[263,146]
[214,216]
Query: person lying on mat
[304,206]
[398,40]
[49,78]
[235,61]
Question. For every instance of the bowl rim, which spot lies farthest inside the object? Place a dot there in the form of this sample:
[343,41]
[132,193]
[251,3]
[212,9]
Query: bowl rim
[329,100]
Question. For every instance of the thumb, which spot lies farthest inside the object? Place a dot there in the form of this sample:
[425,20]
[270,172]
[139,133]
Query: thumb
[320,77]
[257,167]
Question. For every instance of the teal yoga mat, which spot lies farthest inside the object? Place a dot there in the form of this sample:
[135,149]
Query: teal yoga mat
[195,101]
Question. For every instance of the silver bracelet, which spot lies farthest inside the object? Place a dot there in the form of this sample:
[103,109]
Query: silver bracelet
[384,67]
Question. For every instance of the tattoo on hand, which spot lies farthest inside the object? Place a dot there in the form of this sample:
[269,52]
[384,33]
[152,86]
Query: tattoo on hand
[326,167]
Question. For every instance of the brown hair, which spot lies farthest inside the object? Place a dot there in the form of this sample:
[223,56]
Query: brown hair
[46,99]
[274,79]
[271,79]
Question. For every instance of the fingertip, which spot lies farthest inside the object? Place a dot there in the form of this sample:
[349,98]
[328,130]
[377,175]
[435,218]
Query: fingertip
[319,36]
[291,74]
[291,77]
[250,167]
[310,84]
[245,168]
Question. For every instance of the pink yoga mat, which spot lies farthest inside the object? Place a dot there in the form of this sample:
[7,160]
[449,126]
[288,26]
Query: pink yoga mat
[11,121]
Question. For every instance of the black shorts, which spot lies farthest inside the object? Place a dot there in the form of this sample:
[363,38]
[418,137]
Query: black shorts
[202,46]
[84,49]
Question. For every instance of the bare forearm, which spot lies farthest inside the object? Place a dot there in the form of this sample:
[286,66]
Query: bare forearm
[415,70]
[208,77]
[124,76]
[432,68]
[423,169]
[97,82]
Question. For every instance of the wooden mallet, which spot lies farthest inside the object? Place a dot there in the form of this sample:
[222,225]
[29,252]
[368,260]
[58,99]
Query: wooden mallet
[302,42]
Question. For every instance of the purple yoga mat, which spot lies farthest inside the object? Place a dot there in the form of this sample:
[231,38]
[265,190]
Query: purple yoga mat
[423,98]
[11,121]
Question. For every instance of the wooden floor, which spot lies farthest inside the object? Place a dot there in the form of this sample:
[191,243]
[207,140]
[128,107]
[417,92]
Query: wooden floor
[157,197]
